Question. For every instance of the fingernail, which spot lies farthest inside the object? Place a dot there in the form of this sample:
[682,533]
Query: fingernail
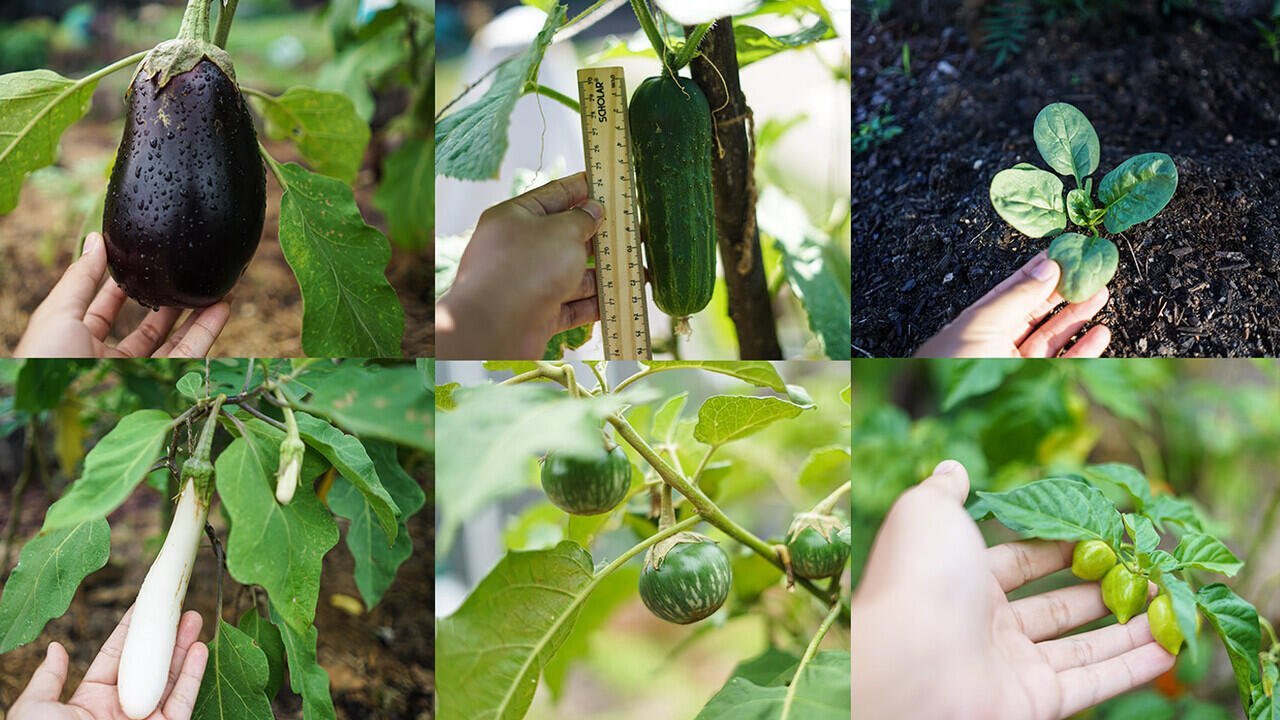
[91,243]
[946,467]
[1042,271]
[594,209]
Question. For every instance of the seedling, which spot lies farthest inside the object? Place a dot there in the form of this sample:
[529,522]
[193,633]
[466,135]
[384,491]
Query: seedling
[1031,200]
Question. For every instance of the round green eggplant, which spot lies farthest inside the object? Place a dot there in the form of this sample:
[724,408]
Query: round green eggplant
[187,197]
[691,583]
[813,556]
[587,485]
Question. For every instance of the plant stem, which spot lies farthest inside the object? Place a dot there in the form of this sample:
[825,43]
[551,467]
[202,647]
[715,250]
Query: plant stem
[225,16]
[829,502]
[555,95]
[650,29]
[600,378]
[195,21]
[647,371]
[809,653]
[690,47]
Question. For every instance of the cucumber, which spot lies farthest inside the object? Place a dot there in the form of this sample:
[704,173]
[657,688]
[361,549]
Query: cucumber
[671,146]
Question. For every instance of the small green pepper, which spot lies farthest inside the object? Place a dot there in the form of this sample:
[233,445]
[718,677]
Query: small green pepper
[1092,559]
[1164,623]
[1124,593]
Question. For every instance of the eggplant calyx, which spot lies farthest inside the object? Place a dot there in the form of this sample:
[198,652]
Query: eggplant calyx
[174,57]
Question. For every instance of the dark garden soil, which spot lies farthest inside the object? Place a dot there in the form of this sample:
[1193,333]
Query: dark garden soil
[1200,279]
[380,662]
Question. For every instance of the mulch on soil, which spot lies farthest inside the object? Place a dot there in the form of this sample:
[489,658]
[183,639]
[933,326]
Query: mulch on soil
[1200,279]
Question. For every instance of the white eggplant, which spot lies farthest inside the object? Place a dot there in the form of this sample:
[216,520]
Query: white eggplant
[148,646]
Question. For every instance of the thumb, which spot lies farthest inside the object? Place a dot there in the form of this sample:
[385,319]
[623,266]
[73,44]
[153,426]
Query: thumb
[1028,294]
[46,684]
[74,292]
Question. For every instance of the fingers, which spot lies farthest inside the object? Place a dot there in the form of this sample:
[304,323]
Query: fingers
[149,334]
[182,698]
[188,632]
[48,679]
[579,222]
[107,664]
[80,282]
[1027,295]
[101,314]
[1049,339]
[1087,686]
[586,288]
[951,479]
[1096,645]
[556,196]
[578,312]
[1016,563]
[198,333]
[1051,614]
[1092,344]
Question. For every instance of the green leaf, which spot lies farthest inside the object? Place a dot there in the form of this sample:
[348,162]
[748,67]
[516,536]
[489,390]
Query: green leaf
[492,650]
[1030,200]
[372,401]
[760,373]
[495,433]
[36,107]
[347,454]
[289,570]
[1206,552]
[112,469]
[41,383]
[825,468]
[306,676]
[752,44]
[470,142]
[664,421]
[1136,190]
[723,418]
[407,194]
[1088,264]
[974,377]
[50,568]
[1080,207]
[235,680]
[820,286]
[323,125]
[192,385]
[349,308]
[1236,622]
[1057,508]
[376,564]
[571,339]
[1067,140]
[612,593]
[821,693]
[267,637]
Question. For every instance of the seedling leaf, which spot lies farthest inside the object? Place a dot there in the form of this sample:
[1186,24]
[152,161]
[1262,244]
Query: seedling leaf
[1087,265]
[1138,189]
[1030,200]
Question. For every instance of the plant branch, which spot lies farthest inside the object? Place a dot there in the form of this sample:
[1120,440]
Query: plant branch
[829,502]
[809,653]
[264,417]
[225,15]
[556,95]
[650,29]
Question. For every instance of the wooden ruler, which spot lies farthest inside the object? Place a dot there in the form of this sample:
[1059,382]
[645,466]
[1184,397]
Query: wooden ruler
[606,140]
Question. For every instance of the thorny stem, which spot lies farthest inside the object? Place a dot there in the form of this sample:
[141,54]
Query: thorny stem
[690,47]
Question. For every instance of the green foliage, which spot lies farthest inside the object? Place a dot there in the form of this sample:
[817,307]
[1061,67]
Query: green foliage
[877,130]
[1005,27]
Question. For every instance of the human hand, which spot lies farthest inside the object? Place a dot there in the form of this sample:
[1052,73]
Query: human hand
[1003,323]
[935,637]
[96,697]
[523,276]
[73,322]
